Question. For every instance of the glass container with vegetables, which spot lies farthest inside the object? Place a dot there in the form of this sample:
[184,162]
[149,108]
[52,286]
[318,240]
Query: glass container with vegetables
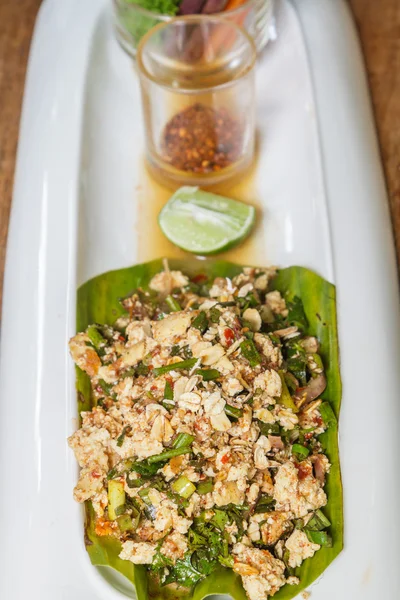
[134,18]
[197,81]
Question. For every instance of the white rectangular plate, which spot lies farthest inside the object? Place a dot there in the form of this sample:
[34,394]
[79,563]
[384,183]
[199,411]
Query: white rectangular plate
[83,205]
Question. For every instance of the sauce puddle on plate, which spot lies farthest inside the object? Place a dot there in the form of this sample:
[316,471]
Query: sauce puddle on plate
[152,194]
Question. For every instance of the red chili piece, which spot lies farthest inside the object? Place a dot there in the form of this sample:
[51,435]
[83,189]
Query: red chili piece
[200,139]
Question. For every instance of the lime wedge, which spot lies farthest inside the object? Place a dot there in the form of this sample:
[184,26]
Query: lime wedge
[205,223]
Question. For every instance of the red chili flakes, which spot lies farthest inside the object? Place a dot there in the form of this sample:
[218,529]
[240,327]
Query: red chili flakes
[225,458]
[229,337]
[304,470]
[201,139]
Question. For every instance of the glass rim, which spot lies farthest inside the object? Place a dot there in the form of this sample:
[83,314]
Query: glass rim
[164,17]
[143,71]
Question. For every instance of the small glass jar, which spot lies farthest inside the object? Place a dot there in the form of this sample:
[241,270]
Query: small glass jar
[132,21]
[197,82]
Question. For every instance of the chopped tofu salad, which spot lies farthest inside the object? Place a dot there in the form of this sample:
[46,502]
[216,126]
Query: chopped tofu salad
[202,448]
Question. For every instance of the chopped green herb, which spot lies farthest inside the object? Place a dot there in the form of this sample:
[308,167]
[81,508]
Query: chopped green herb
[201,322]
[107,387]
[184,572]
[215,315]
[264,504]
[173,305]
[142,369]
[269,428]
[208,374]
[232,411]
[168,391]
[250,352]
[205,487]
[120,439]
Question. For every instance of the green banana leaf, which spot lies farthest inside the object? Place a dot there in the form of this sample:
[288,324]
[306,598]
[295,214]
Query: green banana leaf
[98,302]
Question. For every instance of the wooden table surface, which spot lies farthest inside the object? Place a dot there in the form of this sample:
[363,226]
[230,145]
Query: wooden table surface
[379,27]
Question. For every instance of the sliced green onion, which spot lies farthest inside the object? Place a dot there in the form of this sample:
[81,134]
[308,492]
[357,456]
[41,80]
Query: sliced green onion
[120,439]
[107,387]
[127,522]
[120,510]
[183,486]
[142,369]
[300,451]
[173,305]
[318,522]
[215,315]
[320,537]
[121,467]
[164,456]
[204,487]
[250,352]
[182,440]
[200,322]
[183,364]
[95,336]
[208,374]
[269,428]
[232,411]
[286,399]
[116,498]
[322,518]
[264,504]
[168,391]
[168,404]
[327,414]
[133,481]
[144,494]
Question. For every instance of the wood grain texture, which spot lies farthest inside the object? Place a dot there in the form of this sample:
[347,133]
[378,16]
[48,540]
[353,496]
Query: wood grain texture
[17,18]
[378,24]
[379,27]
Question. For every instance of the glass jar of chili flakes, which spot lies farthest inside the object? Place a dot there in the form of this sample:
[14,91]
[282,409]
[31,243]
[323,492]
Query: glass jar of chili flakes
[197,82]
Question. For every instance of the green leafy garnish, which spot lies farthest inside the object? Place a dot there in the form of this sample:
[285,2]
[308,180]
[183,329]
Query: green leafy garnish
[208,374]
[250,352]
[98,303]
[201,322]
